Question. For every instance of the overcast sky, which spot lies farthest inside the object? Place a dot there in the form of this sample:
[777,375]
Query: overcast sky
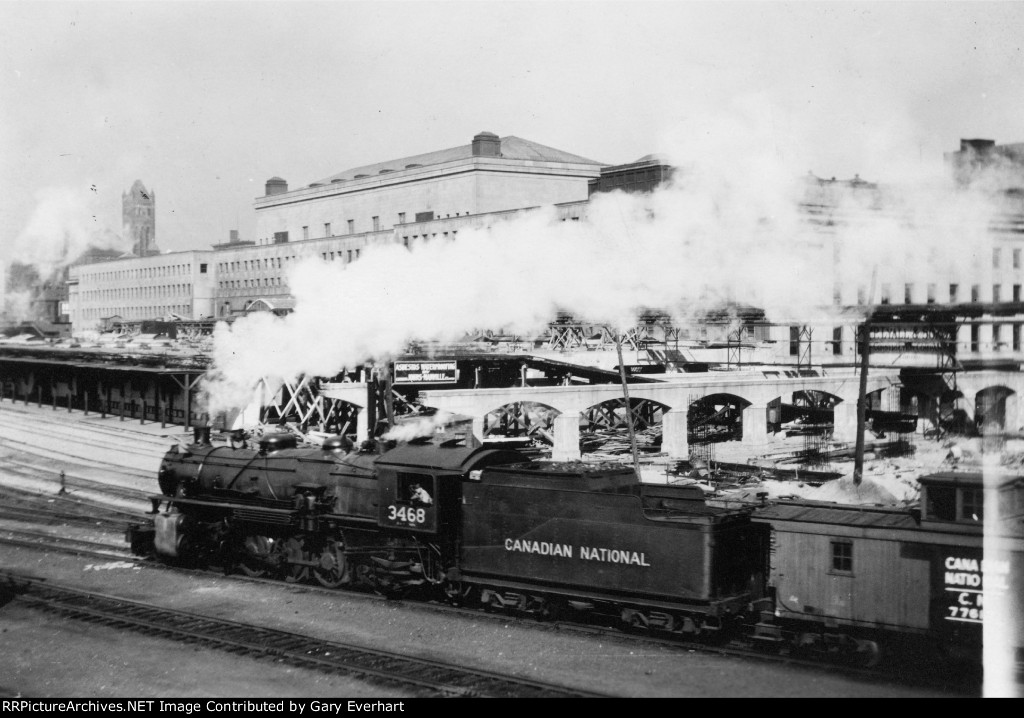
[204,101]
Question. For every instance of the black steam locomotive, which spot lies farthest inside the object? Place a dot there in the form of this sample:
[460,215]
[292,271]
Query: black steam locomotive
[484,526]
[470,524]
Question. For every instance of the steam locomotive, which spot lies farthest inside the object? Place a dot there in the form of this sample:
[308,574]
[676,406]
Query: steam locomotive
[495,529]
[542,538]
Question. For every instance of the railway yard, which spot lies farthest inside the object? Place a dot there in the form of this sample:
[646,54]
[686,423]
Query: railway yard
[126,626]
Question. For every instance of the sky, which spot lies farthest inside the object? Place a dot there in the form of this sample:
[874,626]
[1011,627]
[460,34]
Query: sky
[204,101]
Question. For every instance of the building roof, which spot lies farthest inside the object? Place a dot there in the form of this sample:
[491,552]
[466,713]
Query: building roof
[513,148]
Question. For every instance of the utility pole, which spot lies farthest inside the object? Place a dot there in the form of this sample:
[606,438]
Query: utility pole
[629,406]
[862,394]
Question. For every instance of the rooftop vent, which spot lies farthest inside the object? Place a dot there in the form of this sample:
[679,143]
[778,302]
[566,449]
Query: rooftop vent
[275,185]
[977,145]
[316,184]
[336,181]
[361,176]
[385,171]
[486,144]
[414,164]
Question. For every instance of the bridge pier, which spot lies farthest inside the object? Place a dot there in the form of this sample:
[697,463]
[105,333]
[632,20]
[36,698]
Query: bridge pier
[844,422]
[755,428]
[673,435]
[567,437]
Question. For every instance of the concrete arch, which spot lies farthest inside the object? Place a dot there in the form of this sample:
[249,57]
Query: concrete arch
[716,417]
[521,418]
[808,410]
[611,414]
[993,407]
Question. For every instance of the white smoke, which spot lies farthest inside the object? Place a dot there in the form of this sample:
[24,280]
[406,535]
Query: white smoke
[730,228]
[423,426]
[63,225]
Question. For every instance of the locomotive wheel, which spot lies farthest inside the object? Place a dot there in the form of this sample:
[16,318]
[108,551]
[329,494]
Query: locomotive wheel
[256,552]
[288,552]
[332,570]
[551,609]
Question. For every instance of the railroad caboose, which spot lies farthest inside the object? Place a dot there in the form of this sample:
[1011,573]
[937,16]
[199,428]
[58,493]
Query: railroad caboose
[888,573]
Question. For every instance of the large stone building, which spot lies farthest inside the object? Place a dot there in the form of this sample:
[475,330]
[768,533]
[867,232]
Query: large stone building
[490,174]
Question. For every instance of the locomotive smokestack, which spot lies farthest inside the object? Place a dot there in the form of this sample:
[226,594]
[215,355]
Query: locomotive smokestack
[201,435]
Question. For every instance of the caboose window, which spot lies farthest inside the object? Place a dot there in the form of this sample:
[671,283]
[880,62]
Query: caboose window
[941,503]
[972,505]
[842,556]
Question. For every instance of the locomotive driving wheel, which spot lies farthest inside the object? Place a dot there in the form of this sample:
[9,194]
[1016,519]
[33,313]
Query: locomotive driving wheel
[332,568]
[291,556]
[256,552]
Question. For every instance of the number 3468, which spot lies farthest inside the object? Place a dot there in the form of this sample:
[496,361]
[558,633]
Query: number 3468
[407,514]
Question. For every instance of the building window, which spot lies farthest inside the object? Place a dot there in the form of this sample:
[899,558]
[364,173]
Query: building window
[1016,259]
[305,232]
[202,269]
[837,341]
[931,294]
[1016,337]
[995,258]
[997,331]
[842,556]
[997,290]
[401,217]
[975,292]
[351,226]
[1016,292]
[794,341]
[376,224]
[975,342]
[886,293]
[954,290]
[327,229]
[908,293]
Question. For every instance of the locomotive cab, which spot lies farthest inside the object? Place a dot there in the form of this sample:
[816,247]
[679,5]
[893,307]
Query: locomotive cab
[420,484]
[408,500]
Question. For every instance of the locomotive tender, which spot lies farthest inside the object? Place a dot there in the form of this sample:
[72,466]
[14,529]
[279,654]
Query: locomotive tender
[499,530]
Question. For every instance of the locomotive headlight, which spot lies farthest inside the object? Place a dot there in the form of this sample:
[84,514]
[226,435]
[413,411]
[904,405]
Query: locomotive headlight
[476,474]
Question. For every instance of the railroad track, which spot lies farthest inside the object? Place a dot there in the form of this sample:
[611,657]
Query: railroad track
[65,544]
[936,676]
[427,678]
[56,506]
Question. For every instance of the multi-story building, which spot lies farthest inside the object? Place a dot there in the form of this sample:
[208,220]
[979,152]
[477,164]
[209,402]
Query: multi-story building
[490,174]
[176,284]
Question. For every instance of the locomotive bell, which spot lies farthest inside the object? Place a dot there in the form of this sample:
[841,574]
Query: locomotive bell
[336,443]
[275,442]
